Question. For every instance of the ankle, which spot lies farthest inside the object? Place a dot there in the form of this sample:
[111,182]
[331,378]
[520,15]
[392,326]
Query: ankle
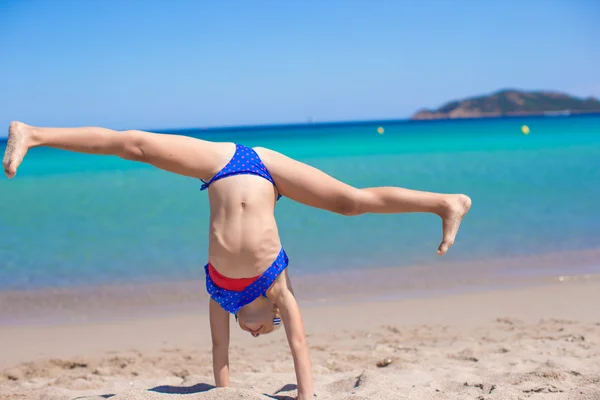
[444,205]
[34,136]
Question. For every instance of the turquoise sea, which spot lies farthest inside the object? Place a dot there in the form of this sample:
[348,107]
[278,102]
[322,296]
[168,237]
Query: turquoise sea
[70,219]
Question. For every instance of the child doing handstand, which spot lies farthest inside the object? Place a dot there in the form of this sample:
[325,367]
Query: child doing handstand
[246,272]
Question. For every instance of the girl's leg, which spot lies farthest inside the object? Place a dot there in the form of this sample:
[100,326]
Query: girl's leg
[310,186]
[179,154]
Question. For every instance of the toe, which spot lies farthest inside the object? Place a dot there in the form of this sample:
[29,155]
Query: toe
[444,246]
[442,249]
[11,169]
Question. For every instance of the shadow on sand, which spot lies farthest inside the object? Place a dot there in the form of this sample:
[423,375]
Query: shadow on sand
[165,389]
[198,388]
[287,388]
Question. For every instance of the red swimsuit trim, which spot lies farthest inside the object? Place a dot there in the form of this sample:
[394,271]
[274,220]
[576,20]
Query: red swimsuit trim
[237,285]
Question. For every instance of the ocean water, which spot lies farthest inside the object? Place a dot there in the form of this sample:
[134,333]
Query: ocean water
[71,219]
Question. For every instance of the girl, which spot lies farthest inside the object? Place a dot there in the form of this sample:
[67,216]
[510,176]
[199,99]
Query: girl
[246,271]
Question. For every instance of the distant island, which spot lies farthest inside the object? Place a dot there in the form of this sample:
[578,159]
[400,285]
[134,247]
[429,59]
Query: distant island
[511,102]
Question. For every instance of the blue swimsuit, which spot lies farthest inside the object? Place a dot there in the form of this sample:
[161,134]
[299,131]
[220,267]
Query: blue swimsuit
[232,301]
[244,161]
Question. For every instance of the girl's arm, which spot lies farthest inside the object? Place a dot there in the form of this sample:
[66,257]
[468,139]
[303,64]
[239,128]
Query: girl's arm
[219,329]
[282,296]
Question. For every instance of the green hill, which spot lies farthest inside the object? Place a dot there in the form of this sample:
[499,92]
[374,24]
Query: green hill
[512,102]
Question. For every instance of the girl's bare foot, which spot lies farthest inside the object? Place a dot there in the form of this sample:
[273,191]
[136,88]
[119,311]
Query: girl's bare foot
[18,144]
[455,208]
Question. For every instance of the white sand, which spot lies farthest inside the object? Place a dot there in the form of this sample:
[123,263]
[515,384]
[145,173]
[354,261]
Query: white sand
[539,342]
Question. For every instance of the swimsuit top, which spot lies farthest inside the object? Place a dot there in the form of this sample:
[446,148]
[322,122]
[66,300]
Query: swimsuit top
[244,161]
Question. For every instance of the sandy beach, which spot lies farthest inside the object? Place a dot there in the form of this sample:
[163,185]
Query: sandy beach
[531,342]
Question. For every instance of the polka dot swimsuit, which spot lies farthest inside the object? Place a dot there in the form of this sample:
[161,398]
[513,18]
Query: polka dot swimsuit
[244,161]
[232,301]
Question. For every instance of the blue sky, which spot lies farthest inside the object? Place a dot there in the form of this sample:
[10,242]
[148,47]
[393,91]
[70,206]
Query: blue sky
[177,64]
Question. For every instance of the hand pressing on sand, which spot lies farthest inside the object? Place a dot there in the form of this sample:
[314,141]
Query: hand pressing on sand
[282,295]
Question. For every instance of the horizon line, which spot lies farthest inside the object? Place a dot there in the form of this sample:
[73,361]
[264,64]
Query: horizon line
[298,125]
[410,120]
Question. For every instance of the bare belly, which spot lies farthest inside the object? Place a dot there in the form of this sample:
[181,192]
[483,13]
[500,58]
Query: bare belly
[243,237]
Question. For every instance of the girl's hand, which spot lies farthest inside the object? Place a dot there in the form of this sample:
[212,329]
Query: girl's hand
[313,397]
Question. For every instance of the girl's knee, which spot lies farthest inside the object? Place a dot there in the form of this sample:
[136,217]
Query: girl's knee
[132,146]
[350,203]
